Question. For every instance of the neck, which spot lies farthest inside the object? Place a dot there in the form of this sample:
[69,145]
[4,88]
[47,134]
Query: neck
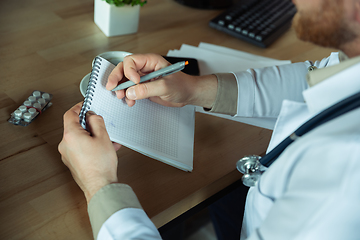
[352,49]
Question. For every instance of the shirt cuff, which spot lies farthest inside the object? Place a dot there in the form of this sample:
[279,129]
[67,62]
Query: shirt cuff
[108,200]
[226,96]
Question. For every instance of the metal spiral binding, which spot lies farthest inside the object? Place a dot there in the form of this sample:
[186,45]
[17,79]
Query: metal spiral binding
[90,91]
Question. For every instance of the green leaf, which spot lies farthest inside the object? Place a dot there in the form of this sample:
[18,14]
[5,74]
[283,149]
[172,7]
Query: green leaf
[120,3]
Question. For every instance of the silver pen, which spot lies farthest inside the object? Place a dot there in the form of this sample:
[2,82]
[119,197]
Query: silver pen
[157,74]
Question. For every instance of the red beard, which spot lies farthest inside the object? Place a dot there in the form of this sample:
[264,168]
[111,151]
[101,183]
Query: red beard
[324,27]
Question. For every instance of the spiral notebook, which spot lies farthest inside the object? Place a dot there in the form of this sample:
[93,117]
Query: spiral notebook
[162,133]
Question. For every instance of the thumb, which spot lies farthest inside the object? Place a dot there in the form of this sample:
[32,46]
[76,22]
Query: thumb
[95,124]
[146,90]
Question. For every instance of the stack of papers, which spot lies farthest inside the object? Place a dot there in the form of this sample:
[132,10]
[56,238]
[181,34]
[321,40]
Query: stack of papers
[218,59]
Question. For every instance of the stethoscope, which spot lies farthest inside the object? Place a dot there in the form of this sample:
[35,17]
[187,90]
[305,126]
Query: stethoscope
[253,166]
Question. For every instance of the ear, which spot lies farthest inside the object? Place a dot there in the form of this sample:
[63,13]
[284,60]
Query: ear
[357,10]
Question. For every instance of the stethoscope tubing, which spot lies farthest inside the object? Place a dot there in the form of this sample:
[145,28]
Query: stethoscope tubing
[328,114]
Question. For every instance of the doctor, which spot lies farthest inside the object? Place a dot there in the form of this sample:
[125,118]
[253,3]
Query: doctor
[310,192]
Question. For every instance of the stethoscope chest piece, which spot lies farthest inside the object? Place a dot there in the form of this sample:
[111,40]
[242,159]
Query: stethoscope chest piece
[253,166]
[251,169]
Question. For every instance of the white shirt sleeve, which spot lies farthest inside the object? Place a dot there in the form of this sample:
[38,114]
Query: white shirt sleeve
[128,223]
[261,91]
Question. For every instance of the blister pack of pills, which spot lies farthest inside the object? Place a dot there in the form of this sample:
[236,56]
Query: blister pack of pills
[32,107]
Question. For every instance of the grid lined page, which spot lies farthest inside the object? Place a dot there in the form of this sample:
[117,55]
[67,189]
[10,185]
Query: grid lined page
[163,133]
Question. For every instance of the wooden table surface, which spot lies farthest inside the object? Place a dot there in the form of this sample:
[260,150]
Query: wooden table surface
[48,45]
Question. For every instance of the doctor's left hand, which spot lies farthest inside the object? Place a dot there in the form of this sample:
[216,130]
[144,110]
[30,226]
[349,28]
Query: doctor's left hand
[91,157]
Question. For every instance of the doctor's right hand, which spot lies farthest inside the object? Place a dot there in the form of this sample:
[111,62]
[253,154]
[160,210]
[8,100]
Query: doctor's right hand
[175,90]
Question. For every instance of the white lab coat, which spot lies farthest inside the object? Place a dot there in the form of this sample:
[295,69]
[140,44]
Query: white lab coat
[308,192]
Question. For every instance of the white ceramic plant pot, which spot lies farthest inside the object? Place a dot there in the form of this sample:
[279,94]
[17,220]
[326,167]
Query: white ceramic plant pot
[115,21]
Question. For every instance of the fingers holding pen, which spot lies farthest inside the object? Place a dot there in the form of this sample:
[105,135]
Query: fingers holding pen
[145,90]
[115,76]
[142,91]
[137,92]
[132,68]
[124,71]
[137,65]
[168,91]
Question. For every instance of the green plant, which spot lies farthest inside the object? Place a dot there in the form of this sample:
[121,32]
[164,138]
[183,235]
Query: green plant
[120,3]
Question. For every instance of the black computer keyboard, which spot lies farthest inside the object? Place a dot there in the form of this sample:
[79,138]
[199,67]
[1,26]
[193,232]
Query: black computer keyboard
[259,22]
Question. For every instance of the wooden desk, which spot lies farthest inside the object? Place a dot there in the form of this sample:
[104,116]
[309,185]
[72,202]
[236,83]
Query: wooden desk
[49,46]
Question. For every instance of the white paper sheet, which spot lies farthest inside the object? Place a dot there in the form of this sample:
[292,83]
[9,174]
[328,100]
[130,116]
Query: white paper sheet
[240,54]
